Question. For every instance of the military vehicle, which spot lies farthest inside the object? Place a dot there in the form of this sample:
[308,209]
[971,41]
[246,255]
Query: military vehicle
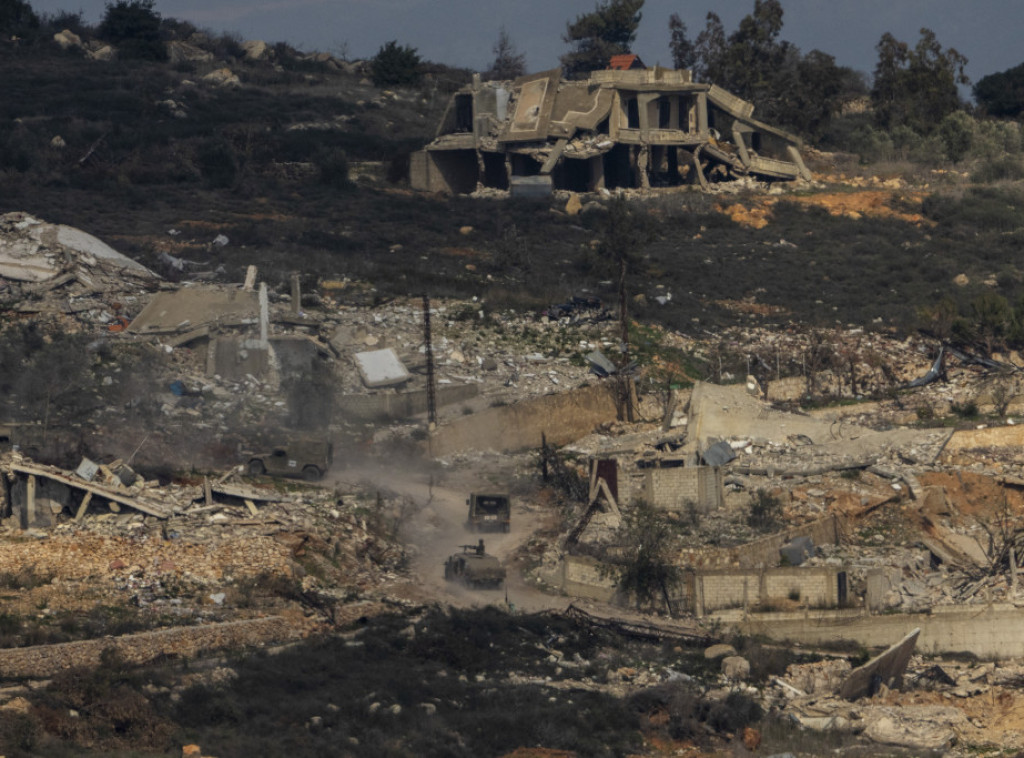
[474,568]
[489,512]
[306,459]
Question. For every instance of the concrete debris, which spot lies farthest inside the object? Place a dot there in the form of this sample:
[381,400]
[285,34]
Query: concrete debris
[381,368]
[884,670]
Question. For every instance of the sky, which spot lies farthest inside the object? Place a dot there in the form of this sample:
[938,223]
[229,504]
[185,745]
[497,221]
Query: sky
[463,32]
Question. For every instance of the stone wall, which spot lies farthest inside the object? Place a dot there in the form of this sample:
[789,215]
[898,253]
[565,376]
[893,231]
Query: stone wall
[137,649]
[563,417]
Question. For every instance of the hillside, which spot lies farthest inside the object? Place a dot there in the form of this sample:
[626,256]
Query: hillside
[160,590]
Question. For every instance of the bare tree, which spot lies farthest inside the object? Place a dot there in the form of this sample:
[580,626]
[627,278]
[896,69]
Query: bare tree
[508,62]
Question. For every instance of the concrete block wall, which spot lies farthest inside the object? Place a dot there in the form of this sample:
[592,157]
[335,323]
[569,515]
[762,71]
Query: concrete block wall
[582,576]
[703,592]
[991,632]
[765,551]
[672,488]
[738,588]
[563,417]
[790,388]
[404,404]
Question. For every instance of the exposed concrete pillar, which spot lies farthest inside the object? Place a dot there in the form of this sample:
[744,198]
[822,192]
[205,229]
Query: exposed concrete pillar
[643,166]
[264,317]
[597,173]
[296,295]
[702,113]
[30,501]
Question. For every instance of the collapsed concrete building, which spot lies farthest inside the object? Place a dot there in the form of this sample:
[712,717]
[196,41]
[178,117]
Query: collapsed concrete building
[636,128]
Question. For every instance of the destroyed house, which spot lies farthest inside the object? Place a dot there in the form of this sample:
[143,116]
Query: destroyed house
[635,128]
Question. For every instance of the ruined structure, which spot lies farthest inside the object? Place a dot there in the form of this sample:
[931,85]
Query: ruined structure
[635,128]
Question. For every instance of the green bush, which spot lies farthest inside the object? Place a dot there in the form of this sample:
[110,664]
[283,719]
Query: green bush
[395,66]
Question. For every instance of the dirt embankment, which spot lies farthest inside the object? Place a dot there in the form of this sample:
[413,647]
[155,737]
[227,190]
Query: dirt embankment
[875,203]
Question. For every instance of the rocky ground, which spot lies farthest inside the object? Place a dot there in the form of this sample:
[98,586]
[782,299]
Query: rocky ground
[371,538]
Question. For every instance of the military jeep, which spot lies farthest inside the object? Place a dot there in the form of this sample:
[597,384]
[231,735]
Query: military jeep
[474,568]
[490,511]
[306,459]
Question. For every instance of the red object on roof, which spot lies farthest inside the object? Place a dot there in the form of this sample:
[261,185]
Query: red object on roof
[625,62]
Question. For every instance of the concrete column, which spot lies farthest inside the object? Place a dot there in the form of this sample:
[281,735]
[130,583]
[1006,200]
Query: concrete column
[296,295]
[597,173]
[30,501]
[264,317]
[702,113]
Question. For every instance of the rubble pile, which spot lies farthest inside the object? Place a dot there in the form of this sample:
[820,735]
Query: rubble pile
[203,558]
[62,274]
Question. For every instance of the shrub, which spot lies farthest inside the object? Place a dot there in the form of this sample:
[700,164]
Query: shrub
[395,66]
[218,163]
[965,410]
[765,509]
[957,134]
[333,166]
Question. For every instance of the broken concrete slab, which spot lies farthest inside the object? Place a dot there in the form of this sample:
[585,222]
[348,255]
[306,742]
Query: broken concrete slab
[190,308]
[887,669]
[381,368]
[32,250]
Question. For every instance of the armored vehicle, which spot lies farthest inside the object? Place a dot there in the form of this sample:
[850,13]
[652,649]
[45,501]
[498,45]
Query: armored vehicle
[474,568]
[308,459]
[489,512]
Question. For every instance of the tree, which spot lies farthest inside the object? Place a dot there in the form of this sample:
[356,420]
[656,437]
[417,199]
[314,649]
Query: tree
[916,87]
[1002,94]
[709,48]
[395,66]
[797,91]
[17,19]
[609,30]
[648,568]
[134,28]
[508,62]
[684,53]
[957,134]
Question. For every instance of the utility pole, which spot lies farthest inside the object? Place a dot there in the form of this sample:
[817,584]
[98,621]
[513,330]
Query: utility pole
[625,382]
[431,396]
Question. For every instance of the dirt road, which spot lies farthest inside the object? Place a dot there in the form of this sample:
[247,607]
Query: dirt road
[437,528]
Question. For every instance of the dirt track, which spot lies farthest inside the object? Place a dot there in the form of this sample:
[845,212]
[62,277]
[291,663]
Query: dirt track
[437,529]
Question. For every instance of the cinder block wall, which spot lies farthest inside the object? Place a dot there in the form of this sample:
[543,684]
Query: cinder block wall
[739,588]
[672,488]
[707,591]
[765,551]
[403,404]
[564,417]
